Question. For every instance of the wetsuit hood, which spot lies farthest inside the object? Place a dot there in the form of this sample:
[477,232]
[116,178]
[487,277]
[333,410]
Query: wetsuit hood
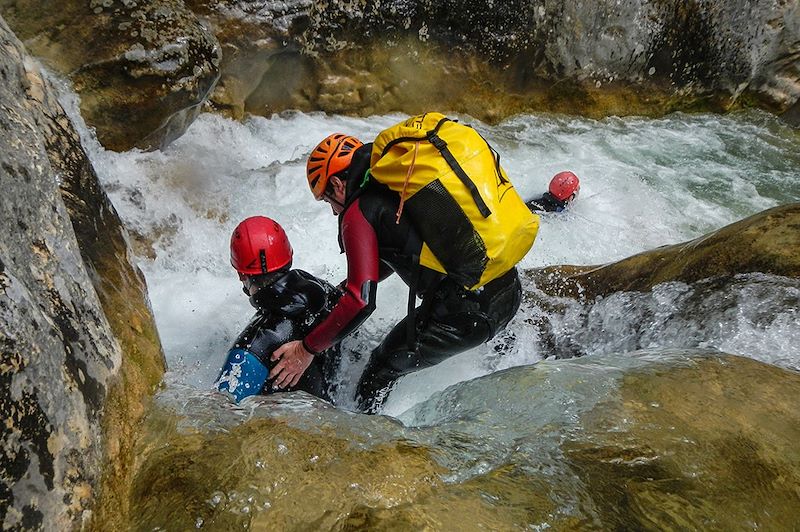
[292,295]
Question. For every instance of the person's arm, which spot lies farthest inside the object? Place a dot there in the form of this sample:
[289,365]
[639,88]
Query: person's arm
[247,365]
[356,304]
[546,203]
[358,299]
[536,205]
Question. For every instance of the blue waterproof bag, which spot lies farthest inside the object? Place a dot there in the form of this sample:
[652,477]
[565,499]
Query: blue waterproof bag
[242,375]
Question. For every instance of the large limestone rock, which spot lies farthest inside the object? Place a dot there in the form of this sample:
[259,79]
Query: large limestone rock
[498,58]
[768,242]
[80,353]
[142,69]
[649,440]
[263,69]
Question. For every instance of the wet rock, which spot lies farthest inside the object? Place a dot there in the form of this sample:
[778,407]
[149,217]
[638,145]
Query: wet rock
[262,70]
[80,351]
[649,440]
[297,463]
[646,57]
[662,440]
[709,444]
[766,242]
[792,116]
[495,59]
[142,69]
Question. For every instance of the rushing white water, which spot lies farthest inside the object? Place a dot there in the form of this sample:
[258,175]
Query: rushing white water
[645,183]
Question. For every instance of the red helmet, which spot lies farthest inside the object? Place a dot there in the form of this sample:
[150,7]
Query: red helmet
[259,245]
[330,157]
[564,185]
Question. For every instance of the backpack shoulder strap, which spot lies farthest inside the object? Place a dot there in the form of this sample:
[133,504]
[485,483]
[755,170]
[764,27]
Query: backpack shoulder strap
[440,144]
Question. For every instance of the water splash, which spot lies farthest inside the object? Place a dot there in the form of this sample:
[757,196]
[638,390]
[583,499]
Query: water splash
[645,183]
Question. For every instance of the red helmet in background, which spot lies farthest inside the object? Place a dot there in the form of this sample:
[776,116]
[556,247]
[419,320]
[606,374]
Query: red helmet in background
[259,245]
[330,157]
[564,185]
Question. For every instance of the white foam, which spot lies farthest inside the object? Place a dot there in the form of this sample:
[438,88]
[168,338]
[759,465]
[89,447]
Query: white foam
[645,183]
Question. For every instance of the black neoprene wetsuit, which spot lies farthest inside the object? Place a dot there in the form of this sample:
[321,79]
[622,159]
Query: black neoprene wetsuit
[547,203]
[450,319]
[287,310]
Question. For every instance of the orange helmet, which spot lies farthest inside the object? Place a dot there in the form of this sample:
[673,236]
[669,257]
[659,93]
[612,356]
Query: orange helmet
[330,157]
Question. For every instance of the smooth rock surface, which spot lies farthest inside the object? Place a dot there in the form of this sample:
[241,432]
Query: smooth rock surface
[142,69]
[768,242]
[495,59]
[80,354]
[648,440]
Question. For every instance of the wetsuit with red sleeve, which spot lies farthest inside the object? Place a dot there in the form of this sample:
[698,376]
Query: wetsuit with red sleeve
[450,320]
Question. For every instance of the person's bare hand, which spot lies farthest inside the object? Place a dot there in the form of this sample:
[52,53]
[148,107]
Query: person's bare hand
[294,360]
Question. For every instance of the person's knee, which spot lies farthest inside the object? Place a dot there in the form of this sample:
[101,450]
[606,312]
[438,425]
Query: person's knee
[384,368]
[504,305]
[373,388]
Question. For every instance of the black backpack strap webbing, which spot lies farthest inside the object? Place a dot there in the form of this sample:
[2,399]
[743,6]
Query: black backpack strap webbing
[440,144]
[411,318]
[423,313]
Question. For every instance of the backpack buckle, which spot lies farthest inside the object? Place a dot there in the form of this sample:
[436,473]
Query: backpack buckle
[437,141]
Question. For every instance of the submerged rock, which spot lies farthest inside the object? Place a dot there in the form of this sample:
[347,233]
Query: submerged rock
[647,440]
[142,69]
[267,472]
[767,242]
[80,352]
[290,461]
[702,446]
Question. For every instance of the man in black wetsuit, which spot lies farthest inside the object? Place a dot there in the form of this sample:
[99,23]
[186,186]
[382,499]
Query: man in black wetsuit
[564,188]
[377,243]
[288,302]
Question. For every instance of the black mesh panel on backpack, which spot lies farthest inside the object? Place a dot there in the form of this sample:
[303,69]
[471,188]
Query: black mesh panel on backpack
[443,225]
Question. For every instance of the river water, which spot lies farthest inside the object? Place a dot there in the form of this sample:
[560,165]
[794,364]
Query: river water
[645,183]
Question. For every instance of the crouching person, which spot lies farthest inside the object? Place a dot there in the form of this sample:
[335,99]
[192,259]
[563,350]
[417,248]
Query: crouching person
[289,303]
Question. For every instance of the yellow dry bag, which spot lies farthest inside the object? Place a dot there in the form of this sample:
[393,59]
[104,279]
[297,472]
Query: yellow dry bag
[474,225]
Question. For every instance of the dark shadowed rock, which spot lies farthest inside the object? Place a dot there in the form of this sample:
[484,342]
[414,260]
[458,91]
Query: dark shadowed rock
[792,116]
[142,69]
[80,353]
[767,242]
